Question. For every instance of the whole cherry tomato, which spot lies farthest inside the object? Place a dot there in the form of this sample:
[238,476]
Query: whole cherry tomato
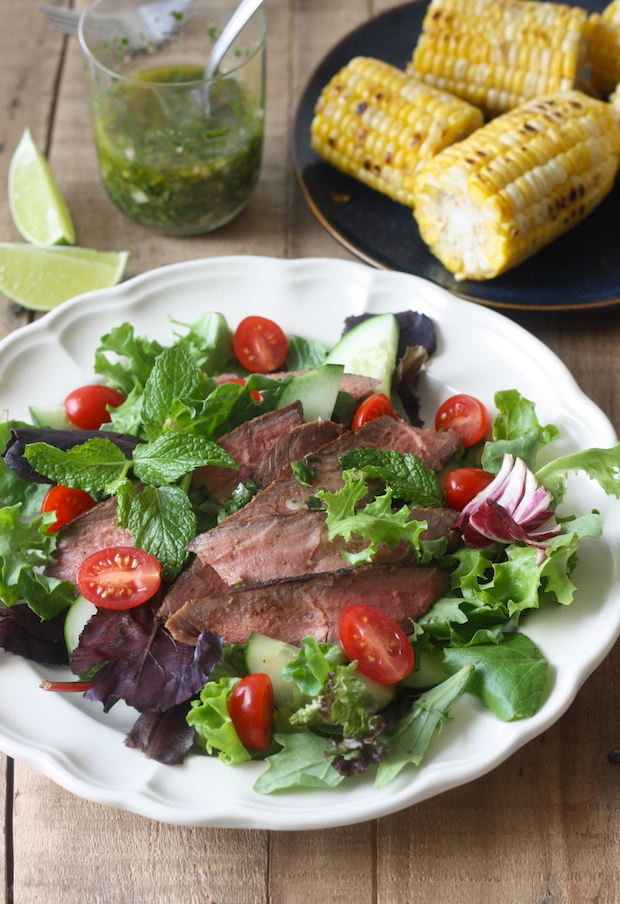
[250,706]
[463,484]
[87,407]
[260,345]
[467,416]
[379,645]
[119,577]
[67,503]
[374,406]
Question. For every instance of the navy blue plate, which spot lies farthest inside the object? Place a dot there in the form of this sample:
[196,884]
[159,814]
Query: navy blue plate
[579,270]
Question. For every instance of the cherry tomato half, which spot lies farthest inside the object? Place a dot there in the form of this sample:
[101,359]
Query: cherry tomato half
[381,647]
[465,415]
[67,503]
[241,382]
[250,706]
[87,407]
[372,407]
[460,486]
[119,577]
[260,345]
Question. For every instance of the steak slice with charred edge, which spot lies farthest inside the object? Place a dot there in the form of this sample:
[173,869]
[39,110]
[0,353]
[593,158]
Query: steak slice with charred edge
[197,580]
[298,543]
[286,494]
[310,605]
[293,446]
[88,533]
[246,445]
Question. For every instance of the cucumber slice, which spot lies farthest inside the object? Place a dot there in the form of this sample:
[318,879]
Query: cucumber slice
[53,416]
[383,693]
[370,350]
[264,654]
[79,614]
[317,391]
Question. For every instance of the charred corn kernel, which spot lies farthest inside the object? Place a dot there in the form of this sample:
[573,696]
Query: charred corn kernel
[498,53]
[377,124]
[604,48]
[491,201]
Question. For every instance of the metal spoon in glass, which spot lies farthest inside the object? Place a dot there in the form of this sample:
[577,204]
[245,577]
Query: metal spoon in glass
[239,18]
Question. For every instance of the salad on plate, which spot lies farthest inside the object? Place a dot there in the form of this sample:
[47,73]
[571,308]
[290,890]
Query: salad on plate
[254,542]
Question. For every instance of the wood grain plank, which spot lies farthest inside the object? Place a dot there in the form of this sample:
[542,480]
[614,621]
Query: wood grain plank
[335,865]
[71,850]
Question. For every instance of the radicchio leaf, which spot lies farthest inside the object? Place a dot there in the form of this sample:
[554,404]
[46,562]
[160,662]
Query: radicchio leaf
[144,664]
[513,508]
[22,632]
[165,737]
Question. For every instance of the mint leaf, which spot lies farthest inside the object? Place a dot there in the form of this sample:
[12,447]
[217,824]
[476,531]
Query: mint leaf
[414,731]
[408,477]
[225,407]
[510,677]
[172,455]
[162,522]
[95,466]
[174,376]
[302,763]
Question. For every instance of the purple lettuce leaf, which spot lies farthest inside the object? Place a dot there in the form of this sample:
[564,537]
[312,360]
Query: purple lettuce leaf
[22,632]
[165,737]
[144,665]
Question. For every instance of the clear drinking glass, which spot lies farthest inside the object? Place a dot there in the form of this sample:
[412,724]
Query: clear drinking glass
[177,154]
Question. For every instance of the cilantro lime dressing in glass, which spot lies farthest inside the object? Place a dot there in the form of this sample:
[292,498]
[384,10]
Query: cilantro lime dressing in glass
[167,163]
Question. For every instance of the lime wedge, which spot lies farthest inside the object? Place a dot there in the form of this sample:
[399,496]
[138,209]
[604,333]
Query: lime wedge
[37,205]
[42,278]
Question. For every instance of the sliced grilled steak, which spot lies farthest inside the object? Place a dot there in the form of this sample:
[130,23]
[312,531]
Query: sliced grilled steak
[286,494]
[311,604]
[247,444]
[297,543]
[293,446]
[196,581]
[88,533]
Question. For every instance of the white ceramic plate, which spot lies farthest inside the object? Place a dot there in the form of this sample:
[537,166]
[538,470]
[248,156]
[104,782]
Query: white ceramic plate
[479,352]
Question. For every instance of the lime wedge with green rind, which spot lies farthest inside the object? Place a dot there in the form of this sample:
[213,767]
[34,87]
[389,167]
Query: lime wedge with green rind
[37,206]
[41,278]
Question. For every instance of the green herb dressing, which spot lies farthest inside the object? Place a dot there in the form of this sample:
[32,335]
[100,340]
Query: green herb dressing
[169,165]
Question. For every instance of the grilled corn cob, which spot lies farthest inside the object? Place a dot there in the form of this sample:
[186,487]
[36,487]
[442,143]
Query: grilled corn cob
[489,202]
[604,48]
[377,124]
[498,53]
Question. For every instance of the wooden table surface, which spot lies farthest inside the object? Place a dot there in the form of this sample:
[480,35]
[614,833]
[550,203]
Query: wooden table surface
[543,828]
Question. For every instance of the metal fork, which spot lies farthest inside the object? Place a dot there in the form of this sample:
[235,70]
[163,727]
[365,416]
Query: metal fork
[149,24]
